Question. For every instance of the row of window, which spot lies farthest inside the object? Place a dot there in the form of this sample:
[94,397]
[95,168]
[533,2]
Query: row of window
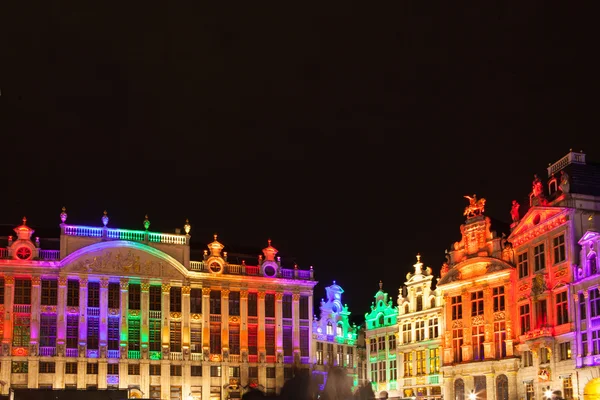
[49,296]
[539,256]
[540,317]
[477,341]
[477,303]
[564,353]
[49,367]
[48,335]
[344,356]
[414,363]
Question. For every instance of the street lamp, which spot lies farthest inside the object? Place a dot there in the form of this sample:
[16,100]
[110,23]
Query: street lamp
[472,395]
[548,392]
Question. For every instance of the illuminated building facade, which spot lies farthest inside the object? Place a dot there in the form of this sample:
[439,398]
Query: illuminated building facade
[381,337]
[477,285]
[557,299]
[116,308]
[334,338]
[420,324]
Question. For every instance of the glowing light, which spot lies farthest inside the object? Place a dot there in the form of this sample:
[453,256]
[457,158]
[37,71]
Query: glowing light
[548,393]
[472,396]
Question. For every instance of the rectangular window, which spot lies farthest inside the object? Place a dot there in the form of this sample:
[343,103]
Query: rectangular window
[392,342]
[567,388]
[72,331]
[339,356]
[582,307]
[584,344]
[477,303]
[525,318]
[113,333]
[564,351]
[155,391]
[456,303]
[196,301]
[286,306]
[154,335]
[155,369]
[434,360]
[541,313]
[20,367]
[420,331]
[215,337]
[2,291]
[94,294]
[350,357]
[382,371]
[253,372]
[215,371]
[21,330]
[112,369]
[304,307]
[457,342]
[529,391]
[288,346]
[155,297]
[48,330]
[71,368]
[133,329]
[544,355]
[196,338]
[49,292]
[175,370]
[92,368]
[408,364]
[22,291]
[393,370]
[562,309]
[114,295]
[270,305]
[72,293]
[498,295]
[196,370]
[215,302]
[421,369]
[523,265]
[47,367]
[478,337]
[329,353]
[381,343]
[558,244]
[374,372]
[433,328]
[253,304]
[175,336]
[373,347]
[234,303]
[93,334]
[133,369]
[539,258]
[304,342]
[500,339]
[175,299]
[320,353]
[270,340]
[595,342]
[234,339]
[406,333]
[252,340]
[527,358]
[594,302]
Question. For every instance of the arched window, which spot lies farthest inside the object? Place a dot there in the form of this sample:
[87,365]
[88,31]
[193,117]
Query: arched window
[339,330]
[501,387]
[329,328]
[433,302]
[381,320]
[406,309]
[592,265]
[459,389]
[419,303]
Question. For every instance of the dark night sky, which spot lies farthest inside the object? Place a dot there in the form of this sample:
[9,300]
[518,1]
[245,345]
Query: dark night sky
[347,135]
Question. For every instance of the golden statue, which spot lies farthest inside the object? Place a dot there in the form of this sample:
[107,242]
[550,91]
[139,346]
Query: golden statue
[475,207]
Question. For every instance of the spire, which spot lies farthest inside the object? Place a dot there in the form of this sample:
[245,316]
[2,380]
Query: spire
[269,252]
[215,247]
[380,285]
[418,265]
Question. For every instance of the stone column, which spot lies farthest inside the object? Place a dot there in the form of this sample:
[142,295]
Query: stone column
[103,328]
[33,365]
[244,336]
[296,326]
[144,319]
[9,290]
[490,385]
[261,327]
[225,325]
[83,304]
[311,342]
[124,318]
[185,341]
[61,318]
[36,301]
[279,377]
[513,393]
[205,326]
[165,371]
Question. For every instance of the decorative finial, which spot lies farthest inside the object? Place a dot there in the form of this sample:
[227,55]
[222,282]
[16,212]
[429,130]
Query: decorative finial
[269,241]
[215,237]
[334,282]
[187,227]
[570,149]
[146,222]
[105,218]
[380,285]
[418,257]
[63,215]
[24,220]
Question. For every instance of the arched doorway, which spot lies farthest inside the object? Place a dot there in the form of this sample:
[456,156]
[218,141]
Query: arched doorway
[591,391]
[501,387]
[459,389]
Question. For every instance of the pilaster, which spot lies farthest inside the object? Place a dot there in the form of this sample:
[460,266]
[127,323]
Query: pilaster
[124,316]
[261,340]
[244,328]
[296,326]
[83,304]
[225,325]
[103,328]
[206,326]
[185,322]
[36,300]
[145,318]
[61,320]
[9,290]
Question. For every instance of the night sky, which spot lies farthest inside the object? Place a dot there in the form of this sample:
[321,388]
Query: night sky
[347,135]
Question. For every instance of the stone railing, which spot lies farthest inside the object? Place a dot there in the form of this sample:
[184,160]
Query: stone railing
[254,270]
[571,158]
[125,234]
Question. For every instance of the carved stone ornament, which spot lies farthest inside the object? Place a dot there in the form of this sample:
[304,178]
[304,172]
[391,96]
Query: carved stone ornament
[244,356]
[103,351]
[119,262]
[81,350]
[457,324]
[33,349]
[499,316]
[262,357]
[206,354]
[225,355]
[477,320]
[475,208]
[280,358]
[166,353]
[296,297]
[5,349]
[538,285]
[166,288]
[60,350]
[186,290]
[145,286]
[123,353]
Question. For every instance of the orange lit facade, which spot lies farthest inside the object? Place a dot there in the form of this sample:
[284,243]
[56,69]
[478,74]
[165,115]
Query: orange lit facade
[114,308]
[477,285]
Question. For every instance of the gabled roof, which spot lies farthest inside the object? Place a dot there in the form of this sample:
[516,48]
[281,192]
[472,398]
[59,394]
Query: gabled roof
[535,216]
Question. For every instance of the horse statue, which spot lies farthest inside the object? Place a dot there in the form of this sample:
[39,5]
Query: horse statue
[475,207]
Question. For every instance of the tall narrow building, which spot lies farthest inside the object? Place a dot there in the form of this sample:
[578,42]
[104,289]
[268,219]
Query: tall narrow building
[477,285]
[420,323]
[381,338]
[117,308]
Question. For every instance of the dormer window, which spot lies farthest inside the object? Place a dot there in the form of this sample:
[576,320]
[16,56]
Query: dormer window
[419,303]
[339,330]
[329,328]
[381,323]
[433,303]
